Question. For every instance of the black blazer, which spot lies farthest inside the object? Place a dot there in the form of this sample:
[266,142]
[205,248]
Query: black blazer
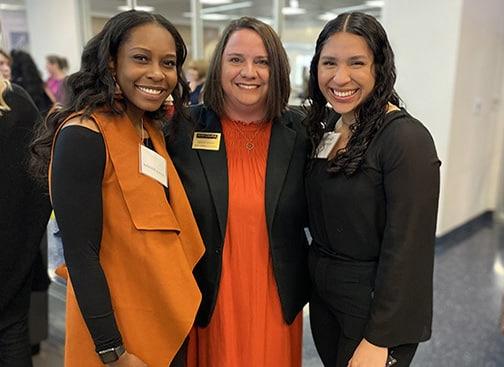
[204,175]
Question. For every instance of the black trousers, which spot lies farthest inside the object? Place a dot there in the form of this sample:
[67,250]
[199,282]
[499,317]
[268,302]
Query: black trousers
[15,350]
[339,310]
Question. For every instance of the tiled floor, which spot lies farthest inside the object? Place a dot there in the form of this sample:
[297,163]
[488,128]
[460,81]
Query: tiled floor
[468,290]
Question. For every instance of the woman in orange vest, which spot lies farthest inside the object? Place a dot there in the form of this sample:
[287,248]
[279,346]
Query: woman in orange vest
[129,236]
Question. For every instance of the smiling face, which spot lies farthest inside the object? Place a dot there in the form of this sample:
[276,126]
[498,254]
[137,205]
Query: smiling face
[245,76]
[145,68]
[345,73]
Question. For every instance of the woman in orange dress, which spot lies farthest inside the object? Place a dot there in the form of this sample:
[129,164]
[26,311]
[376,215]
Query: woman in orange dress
[242,165]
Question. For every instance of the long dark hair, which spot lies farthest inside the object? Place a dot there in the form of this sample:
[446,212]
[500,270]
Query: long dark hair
[92,87]
[371,113]
[24,72]
[279,83]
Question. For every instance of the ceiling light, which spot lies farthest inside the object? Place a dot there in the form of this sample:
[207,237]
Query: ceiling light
[11,7]
[327,16]
[211,17]
[226,7]
[214,2]
[375,3]
[293,8]
[293,11]
[139,8]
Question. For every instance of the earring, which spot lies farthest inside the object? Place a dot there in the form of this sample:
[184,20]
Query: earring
[118,94]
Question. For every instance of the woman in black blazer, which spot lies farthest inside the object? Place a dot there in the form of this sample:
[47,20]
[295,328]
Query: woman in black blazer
[246,94]
[372,190]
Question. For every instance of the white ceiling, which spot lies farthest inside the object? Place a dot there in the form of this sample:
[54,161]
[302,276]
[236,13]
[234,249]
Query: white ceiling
[174,9]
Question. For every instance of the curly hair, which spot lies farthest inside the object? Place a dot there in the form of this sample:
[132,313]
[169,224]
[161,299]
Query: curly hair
[92,87]
[370,114]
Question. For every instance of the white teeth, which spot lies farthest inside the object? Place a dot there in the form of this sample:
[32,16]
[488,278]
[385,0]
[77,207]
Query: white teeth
[247,86]
[344,94]
[150,90]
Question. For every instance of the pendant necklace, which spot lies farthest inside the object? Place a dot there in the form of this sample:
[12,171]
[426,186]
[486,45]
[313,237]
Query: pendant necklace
[249,144]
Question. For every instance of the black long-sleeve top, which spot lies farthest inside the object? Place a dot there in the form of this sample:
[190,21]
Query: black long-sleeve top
[76,189]
[385,213]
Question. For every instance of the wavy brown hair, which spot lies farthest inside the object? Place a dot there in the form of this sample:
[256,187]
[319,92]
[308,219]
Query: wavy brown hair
[370,115]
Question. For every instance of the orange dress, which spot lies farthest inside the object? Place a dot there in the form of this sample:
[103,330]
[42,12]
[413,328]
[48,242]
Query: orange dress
[247,326]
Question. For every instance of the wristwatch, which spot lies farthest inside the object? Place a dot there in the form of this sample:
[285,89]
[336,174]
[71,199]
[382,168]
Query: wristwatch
[111,354]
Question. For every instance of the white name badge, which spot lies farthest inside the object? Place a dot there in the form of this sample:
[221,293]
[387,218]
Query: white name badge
[327,144]
[153,165]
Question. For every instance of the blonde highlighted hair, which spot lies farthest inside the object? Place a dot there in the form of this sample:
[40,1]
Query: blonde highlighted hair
[4,85]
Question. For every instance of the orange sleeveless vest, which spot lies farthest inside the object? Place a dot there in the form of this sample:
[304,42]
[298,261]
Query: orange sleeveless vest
[148,250]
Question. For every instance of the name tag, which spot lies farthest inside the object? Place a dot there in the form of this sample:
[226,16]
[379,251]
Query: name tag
[206,140]
[153,165]
[327,144]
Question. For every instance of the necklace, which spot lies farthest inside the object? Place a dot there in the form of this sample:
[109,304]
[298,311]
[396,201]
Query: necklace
[249,140]
[141,132]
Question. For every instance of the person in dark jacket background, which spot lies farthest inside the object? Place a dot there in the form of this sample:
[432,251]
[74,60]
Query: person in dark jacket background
[26,74]
[24,213]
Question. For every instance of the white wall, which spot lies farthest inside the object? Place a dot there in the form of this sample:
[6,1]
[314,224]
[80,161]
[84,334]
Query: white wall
[449,62]
[54,27]
[475,147]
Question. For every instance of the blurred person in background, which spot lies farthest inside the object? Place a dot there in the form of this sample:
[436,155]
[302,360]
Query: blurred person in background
[26,74]
[56,67]
[5,65]
[196,72]
[24,213]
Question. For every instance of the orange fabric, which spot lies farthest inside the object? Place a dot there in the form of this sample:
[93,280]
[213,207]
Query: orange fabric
[247,327]
[148,251]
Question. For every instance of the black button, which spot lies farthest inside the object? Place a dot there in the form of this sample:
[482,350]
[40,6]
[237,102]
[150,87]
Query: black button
[217,251]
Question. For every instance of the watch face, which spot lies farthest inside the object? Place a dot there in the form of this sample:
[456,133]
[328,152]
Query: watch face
[108,356]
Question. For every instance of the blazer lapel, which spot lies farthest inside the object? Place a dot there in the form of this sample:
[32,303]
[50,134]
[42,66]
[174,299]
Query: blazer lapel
[281,147]
[214,164]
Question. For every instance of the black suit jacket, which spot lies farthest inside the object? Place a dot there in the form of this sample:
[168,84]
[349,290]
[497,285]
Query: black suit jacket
[204,175]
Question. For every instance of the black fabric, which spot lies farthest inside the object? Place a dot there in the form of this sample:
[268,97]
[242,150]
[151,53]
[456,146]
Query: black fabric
[77,173]
[25,206]
[15,350]
[204,176]
[385,214]
[334,347]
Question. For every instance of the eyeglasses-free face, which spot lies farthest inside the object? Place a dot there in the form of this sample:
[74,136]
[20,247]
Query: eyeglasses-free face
[245,75]
[345,73]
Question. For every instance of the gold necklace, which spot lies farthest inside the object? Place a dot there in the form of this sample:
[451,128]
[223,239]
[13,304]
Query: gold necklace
[249,140]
